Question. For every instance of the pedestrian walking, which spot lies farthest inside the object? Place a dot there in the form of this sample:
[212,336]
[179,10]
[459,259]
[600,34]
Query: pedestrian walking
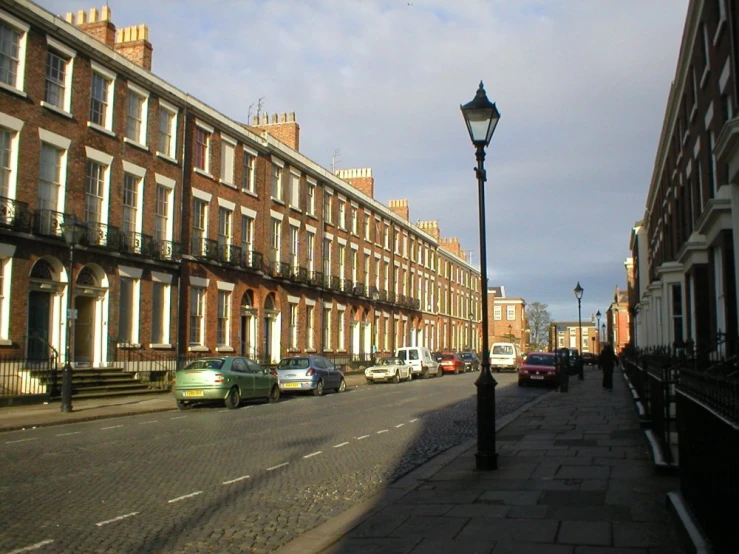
[606,362]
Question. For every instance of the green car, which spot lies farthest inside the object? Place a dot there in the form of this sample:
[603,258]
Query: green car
[229,379]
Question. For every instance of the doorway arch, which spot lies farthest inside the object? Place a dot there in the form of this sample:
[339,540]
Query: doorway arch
[271,339]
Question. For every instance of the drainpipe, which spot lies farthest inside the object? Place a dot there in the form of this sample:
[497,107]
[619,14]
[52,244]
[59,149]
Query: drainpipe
[180,285]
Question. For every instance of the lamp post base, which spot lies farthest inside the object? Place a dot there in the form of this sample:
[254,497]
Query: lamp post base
[486,458]
[67,388]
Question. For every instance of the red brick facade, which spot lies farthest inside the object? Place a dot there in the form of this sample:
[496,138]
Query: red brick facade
[166,239]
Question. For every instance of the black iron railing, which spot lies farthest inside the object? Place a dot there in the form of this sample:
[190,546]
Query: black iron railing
[24,377]
[15,215]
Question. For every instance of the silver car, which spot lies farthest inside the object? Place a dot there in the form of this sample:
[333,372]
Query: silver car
[388,369]
[309,373]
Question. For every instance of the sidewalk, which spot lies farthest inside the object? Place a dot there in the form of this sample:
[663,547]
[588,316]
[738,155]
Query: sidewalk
[575,477]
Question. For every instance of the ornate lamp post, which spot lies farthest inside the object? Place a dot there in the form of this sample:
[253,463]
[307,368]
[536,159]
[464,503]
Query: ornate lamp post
[578,294]
[481,117]
[605,338]
[73,231]
[597,328]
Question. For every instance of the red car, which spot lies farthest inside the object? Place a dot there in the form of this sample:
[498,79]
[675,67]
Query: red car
[538,368]
[451,363]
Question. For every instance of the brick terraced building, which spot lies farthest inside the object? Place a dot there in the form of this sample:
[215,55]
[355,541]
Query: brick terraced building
[201,234]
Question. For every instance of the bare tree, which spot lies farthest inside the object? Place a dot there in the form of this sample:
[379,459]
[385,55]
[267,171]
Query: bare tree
[539,320]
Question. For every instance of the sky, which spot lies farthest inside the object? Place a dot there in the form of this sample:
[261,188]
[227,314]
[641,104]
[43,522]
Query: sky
[581,87]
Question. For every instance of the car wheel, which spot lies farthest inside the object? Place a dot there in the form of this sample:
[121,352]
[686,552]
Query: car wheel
[318,391]
[456,371]
[233,400]
[182,405]
[342,386]
[424,373]
[274,395]
[370,381]
[396,378]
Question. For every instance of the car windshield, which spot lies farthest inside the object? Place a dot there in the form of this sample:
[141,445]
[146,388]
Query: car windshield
[535,359]
[502,350]
[388,361]
[205,364]
[294,363]
[447,356]
[466,356]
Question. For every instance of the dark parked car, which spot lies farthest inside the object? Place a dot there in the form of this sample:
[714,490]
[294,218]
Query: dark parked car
[589,358]
[309,373]
[471,361]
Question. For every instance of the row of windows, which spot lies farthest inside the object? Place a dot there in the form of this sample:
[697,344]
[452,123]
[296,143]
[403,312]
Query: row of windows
[510,313]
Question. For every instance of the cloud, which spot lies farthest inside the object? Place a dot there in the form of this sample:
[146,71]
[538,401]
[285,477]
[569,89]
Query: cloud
[581,87]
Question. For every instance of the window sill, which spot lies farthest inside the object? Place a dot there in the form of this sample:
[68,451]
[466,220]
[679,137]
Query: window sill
[136,144]
[250,192]
[56,109]
[198,348]
[160,346]
[313,216]
[224,349]
[129,345]
[225,184]
[6,342]
[296,209]
[100,129]
[311,350]
[168,158]
[203,173]
[328,350]
[14,90]
[277,201]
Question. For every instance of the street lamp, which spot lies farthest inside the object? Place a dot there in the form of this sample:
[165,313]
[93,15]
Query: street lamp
[578,294]
[481,117]
[597,328]
[73,231]
[510,333]
[373,347]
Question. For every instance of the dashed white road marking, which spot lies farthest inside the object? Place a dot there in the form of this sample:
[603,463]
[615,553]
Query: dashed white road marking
[32,547]
[150,421]
[413,420]
[399,426]
[277,466]
[340,444]
[112,427]
[362,437]
[231,481]
[179,417]
[381,432]
[67,434]
[185,496]
[313,454]
[101,523]
[19,440]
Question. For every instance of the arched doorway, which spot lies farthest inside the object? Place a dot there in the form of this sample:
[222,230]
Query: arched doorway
[272,347]
[45,337]
[248,327]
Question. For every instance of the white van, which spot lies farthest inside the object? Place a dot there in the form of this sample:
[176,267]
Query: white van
[422,363]
[505,355]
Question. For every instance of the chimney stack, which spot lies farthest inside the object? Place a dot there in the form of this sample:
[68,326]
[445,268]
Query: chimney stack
[361,179]
[400,207]
[97,24]
[430,227]
[283,127]
[133,43]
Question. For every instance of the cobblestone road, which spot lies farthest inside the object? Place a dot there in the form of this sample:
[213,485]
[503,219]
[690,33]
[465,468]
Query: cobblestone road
[212,480]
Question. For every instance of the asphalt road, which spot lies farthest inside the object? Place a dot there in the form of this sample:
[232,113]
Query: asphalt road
[216,480]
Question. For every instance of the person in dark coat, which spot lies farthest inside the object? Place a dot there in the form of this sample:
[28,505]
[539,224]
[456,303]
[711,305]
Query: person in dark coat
[606,361]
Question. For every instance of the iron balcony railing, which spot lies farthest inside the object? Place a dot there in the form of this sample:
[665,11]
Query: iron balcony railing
[15,215]
[48,223]
[316,278]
